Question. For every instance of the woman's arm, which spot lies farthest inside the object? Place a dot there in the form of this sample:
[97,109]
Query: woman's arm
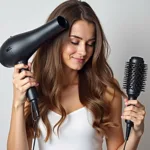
[17,138]
[136,113]
[115,135]
[115,139]
[132,142]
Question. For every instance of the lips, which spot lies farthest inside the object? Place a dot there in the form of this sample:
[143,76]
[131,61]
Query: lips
[78,59]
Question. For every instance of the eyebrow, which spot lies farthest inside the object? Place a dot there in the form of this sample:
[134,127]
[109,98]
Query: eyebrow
[82,38]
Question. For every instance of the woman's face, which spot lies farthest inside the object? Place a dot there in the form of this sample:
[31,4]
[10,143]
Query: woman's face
[80,46]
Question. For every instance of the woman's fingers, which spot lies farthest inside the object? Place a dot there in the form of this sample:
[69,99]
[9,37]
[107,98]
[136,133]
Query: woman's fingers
[24,74]
[135,112]
[136,120]
[134,102]
[134,109]
[139,114]
[18,67]
[26,86]
[22,80]
[25,81]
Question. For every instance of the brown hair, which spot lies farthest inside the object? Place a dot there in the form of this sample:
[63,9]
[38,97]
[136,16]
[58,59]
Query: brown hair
[94,77]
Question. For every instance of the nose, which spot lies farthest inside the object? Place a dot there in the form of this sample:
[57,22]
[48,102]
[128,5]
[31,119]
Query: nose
[82,50]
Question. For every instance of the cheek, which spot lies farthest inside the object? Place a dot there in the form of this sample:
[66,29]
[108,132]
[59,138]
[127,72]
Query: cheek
[90,53]
[68,51]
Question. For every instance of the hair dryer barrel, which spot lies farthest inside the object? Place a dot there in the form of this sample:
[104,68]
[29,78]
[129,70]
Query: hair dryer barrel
[22,46]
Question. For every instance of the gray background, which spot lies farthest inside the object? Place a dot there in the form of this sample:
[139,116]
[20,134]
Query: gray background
[125,23]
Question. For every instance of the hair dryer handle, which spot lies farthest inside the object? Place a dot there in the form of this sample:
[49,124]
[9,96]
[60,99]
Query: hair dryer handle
[32,96]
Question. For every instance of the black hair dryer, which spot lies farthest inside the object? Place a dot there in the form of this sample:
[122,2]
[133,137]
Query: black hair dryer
[19,48]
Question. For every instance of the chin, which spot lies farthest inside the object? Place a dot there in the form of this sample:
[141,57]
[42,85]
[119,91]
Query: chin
[77,68]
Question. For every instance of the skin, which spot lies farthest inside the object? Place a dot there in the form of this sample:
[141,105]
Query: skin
[136,113]
[75,54]
[79,48]
[80,45]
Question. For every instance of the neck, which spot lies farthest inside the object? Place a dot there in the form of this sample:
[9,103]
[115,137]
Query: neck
[71,77]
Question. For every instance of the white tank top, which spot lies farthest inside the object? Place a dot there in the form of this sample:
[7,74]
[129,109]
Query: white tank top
[75,133]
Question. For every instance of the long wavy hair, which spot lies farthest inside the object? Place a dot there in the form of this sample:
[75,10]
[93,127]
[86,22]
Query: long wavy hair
[94,77]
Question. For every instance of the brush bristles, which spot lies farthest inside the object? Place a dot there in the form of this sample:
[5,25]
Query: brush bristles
[144,77]
[126,75]
[135,76]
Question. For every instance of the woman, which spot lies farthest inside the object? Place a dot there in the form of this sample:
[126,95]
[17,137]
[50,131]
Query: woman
[79,99]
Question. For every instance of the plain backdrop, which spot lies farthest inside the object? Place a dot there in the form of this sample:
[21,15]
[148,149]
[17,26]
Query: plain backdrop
[127,28]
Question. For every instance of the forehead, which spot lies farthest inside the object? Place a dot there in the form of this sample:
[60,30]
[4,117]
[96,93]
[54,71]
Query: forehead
[83,29]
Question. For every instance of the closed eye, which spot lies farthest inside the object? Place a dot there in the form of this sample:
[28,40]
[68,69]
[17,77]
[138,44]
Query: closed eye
[75,43]
[88,44]
[91,45]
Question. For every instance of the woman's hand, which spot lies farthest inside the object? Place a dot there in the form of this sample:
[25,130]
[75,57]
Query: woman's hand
[136,113]
[21,82]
